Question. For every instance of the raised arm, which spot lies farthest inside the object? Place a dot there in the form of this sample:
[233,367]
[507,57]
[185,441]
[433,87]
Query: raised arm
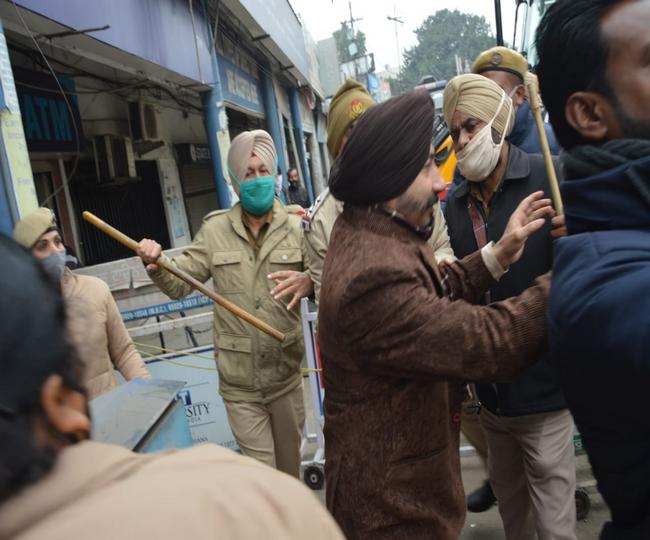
[195,260]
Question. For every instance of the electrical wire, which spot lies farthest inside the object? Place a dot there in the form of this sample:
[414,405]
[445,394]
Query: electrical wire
[141,84]
[67,102]
[193,355]
[181,103]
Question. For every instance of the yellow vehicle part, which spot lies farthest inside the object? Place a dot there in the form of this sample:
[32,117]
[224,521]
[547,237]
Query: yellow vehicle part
[445,159]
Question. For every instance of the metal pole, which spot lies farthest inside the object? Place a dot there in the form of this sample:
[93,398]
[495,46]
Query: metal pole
[214,112]
[273,121]
[499,23]
[300,142]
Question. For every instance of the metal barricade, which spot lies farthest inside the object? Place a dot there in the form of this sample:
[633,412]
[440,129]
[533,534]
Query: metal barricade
[313,466]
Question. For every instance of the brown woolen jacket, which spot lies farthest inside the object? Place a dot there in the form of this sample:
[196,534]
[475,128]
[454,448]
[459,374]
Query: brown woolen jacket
[398,337]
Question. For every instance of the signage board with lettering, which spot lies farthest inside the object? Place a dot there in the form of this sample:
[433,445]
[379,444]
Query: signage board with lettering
[239,87]
[48,124]
[204,408]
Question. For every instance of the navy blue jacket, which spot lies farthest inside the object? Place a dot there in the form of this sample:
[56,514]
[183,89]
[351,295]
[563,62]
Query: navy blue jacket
[536,390]
[599,332]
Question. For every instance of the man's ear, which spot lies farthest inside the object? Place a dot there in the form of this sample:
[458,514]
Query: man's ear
[66,409]
[520,95]
[591,115]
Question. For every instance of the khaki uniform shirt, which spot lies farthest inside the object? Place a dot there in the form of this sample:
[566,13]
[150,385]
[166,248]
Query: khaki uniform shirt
[103,492]
[322,216]
[253,366]
[96,329]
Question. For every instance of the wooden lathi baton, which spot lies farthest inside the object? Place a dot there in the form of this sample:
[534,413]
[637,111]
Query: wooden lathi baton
[233,308]
[533,98]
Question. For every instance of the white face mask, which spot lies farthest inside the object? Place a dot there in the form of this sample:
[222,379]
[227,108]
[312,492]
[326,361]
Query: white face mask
[511,95]
[480,156]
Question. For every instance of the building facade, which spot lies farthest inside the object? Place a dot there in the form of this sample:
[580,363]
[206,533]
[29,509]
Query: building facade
[128,109]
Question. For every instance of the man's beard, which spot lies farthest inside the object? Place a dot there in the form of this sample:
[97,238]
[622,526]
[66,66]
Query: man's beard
[631,127]
[408,205]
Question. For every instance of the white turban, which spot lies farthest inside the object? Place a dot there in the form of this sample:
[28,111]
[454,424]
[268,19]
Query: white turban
[245,145]
[479,97]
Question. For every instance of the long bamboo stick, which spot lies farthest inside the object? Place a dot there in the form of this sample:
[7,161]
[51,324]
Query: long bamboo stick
[533,98]
[195,284]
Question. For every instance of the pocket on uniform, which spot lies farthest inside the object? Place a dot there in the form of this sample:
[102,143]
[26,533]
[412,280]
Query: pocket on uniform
[227,271]
[291,356]
[285,259]
[234,360]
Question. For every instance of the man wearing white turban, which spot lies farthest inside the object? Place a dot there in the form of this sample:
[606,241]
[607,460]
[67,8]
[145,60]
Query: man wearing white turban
[254,253]
[529,430]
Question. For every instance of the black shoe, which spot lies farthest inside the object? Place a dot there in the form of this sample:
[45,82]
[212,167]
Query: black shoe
[481,499]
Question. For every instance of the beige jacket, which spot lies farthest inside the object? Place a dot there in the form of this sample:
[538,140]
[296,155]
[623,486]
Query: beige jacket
[103,492]
[98,332]
[252,366]
[322,216]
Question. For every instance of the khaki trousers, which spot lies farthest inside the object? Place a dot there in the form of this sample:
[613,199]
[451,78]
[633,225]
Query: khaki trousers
[473,431]
[270,433]
[533,475]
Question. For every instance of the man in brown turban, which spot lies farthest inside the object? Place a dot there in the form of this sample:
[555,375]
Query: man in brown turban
[254,253]
[347,106]
[398,335]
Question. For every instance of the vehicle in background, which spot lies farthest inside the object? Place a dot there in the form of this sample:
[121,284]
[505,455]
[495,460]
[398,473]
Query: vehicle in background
[528,15]
[445,157]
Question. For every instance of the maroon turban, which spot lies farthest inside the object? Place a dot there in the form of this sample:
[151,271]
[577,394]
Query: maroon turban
[387,149]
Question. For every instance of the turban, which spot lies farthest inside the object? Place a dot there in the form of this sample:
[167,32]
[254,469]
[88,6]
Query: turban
[387,149]
[479,97]
[29,229]
[348,104]
[243,146]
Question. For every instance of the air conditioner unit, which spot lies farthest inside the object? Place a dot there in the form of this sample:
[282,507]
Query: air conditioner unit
[144,121]
[113,158]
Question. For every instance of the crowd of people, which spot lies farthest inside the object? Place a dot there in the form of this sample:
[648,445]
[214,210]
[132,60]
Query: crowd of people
[499,318]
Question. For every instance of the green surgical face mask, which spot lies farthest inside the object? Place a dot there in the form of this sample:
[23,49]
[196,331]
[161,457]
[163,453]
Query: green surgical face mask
[256,195]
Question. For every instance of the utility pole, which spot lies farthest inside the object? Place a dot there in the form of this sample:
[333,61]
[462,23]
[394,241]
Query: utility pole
[397,20]
[353,38]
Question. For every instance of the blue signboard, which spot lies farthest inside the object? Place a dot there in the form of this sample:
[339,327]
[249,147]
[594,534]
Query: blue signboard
[373,85]
[240,87]
[48,124]
[169,307]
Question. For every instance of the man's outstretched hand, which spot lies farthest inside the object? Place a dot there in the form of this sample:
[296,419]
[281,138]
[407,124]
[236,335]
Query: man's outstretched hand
[527,219]
[291,282]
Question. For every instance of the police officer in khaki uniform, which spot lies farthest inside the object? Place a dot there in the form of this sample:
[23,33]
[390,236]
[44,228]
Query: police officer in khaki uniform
[93,320]
[255,255]
[349,103]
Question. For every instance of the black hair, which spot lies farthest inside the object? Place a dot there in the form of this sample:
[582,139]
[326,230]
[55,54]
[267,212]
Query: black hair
[33,346]
[572,58]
